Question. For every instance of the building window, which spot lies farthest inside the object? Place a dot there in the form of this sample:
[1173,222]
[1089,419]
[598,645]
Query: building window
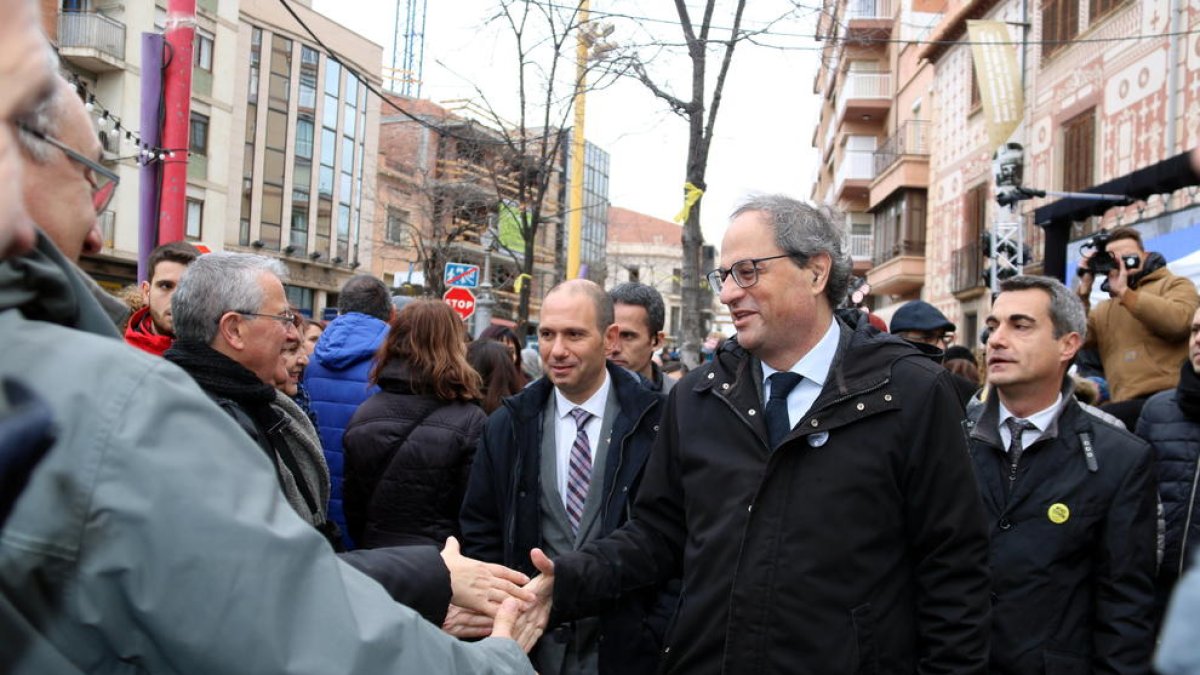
[975,212]
[1079,151]
[300,298]
[676,281]
[1098,8]
[1060,24]
[635,274]
[203,51]
[198,145]
[397,225]
[195,219]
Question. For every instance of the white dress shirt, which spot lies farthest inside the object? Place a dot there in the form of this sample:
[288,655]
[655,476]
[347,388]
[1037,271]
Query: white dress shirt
[814,368]
[565,429]
[1041,419]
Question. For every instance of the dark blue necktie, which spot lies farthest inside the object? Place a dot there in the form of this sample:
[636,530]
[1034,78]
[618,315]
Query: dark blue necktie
[778,424]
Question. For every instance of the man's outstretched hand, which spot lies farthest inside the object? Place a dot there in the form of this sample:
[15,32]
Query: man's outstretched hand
[514,624]
[542,587]
[480,586]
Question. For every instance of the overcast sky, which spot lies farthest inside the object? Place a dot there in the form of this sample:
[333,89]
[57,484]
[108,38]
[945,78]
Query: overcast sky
[764,125]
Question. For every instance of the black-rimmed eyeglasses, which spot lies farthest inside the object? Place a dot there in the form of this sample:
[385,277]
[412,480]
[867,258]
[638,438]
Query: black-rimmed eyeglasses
[744,272]
[102,179]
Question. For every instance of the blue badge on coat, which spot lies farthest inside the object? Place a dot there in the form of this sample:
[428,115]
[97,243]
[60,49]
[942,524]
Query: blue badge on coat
[818,439]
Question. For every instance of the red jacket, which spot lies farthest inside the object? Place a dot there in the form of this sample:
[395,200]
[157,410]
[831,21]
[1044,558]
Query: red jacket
[139,333]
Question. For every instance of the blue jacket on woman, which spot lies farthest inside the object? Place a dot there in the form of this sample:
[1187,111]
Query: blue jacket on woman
[336,379]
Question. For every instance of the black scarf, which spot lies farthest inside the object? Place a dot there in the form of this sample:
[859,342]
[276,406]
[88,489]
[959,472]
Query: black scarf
[220,375]
[1188,391]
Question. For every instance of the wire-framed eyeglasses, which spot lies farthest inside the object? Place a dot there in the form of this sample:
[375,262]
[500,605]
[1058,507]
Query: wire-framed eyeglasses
[103,180]
[287,318]
[744,272]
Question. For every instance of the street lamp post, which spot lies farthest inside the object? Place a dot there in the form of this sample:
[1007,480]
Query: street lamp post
[486,301]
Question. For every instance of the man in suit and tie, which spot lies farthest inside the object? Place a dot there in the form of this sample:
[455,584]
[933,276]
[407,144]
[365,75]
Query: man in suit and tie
[559,465]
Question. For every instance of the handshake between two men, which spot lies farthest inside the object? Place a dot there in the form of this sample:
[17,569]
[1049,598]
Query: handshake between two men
[492,600]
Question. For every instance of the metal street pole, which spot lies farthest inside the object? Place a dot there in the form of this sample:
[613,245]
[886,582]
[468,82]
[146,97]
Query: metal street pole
[177,100]
[575,216]
[485,301]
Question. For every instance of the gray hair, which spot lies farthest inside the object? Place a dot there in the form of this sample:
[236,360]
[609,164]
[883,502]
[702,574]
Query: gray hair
[646,297]
[1066,309]
[217,283]
[46,118]
[804,231]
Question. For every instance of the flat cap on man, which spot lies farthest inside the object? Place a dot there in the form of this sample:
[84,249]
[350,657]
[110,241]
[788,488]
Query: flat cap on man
[919,315]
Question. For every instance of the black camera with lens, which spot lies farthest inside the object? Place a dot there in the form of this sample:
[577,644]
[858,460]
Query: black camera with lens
[1102,261]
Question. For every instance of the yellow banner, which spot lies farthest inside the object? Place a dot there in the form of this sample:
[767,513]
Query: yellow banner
[998,76]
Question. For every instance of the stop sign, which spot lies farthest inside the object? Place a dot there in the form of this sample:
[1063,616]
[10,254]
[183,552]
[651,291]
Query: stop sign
[461,300]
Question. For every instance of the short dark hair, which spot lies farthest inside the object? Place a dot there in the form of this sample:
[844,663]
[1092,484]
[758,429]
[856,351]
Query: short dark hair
[177,251]
[646,297]
[1066,309]
[365,294]
[1118,233]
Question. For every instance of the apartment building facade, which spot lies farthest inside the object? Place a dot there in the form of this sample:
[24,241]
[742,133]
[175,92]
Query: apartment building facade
[282,138]
[874,138]
[647,250]
[1097,78]
[446,184]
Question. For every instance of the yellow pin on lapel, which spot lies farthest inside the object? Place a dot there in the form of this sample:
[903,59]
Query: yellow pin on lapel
[1058,513]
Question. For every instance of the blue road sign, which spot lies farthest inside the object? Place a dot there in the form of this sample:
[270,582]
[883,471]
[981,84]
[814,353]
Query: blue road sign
[462,275]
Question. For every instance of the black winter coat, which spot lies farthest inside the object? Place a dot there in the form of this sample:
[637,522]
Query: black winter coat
[501,517]
[1175,436]
[1072,589]
[857,546]
[408,458]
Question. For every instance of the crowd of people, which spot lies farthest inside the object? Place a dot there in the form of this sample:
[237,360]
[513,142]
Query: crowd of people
[203,480]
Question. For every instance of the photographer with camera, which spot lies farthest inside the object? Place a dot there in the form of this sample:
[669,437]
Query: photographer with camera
[1141,332]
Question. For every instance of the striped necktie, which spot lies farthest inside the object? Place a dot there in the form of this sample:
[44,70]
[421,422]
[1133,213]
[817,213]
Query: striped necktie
[579,471]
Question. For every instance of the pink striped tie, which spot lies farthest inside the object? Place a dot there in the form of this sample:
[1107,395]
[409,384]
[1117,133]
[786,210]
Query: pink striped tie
[579,472]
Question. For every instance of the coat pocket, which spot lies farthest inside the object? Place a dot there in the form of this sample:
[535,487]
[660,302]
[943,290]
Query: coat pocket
[1065,663]
[864,639]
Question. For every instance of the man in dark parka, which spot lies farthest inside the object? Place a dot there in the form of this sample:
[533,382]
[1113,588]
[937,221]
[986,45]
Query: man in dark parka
[826,523]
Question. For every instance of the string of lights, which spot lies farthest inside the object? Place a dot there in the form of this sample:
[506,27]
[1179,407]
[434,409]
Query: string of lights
[105,118]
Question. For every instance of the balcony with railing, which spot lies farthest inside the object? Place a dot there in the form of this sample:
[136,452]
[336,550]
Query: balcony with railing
[864,96]
[869,18]
[91,41]
[968,271]
[854,174]
[902,161]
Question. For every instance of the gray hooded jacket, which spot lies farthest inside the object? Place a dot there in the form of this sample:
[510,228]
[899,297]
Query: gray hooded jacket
[154,538]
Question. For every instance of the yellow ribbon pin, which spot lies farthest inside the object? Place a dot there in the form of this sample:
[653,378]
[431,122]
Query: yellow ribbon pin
[1058,513]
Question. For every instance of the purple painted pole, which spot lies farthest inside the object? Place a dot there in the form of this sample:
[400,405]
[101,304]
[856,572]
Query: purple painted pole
[152,52]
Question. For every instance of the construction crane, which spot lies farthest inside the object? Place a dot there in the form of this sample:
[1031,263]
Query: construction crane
[408,48]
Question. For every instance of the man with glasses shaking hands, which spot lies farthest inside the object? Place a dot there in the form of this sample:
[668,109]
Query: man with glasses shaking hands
[811,485]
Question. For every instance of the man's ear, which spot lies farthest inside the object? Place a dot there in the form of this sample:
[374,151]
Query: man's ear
[610,337]
[145,287]
[230,330]
[1069,347]
[819,266]
[658,339]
